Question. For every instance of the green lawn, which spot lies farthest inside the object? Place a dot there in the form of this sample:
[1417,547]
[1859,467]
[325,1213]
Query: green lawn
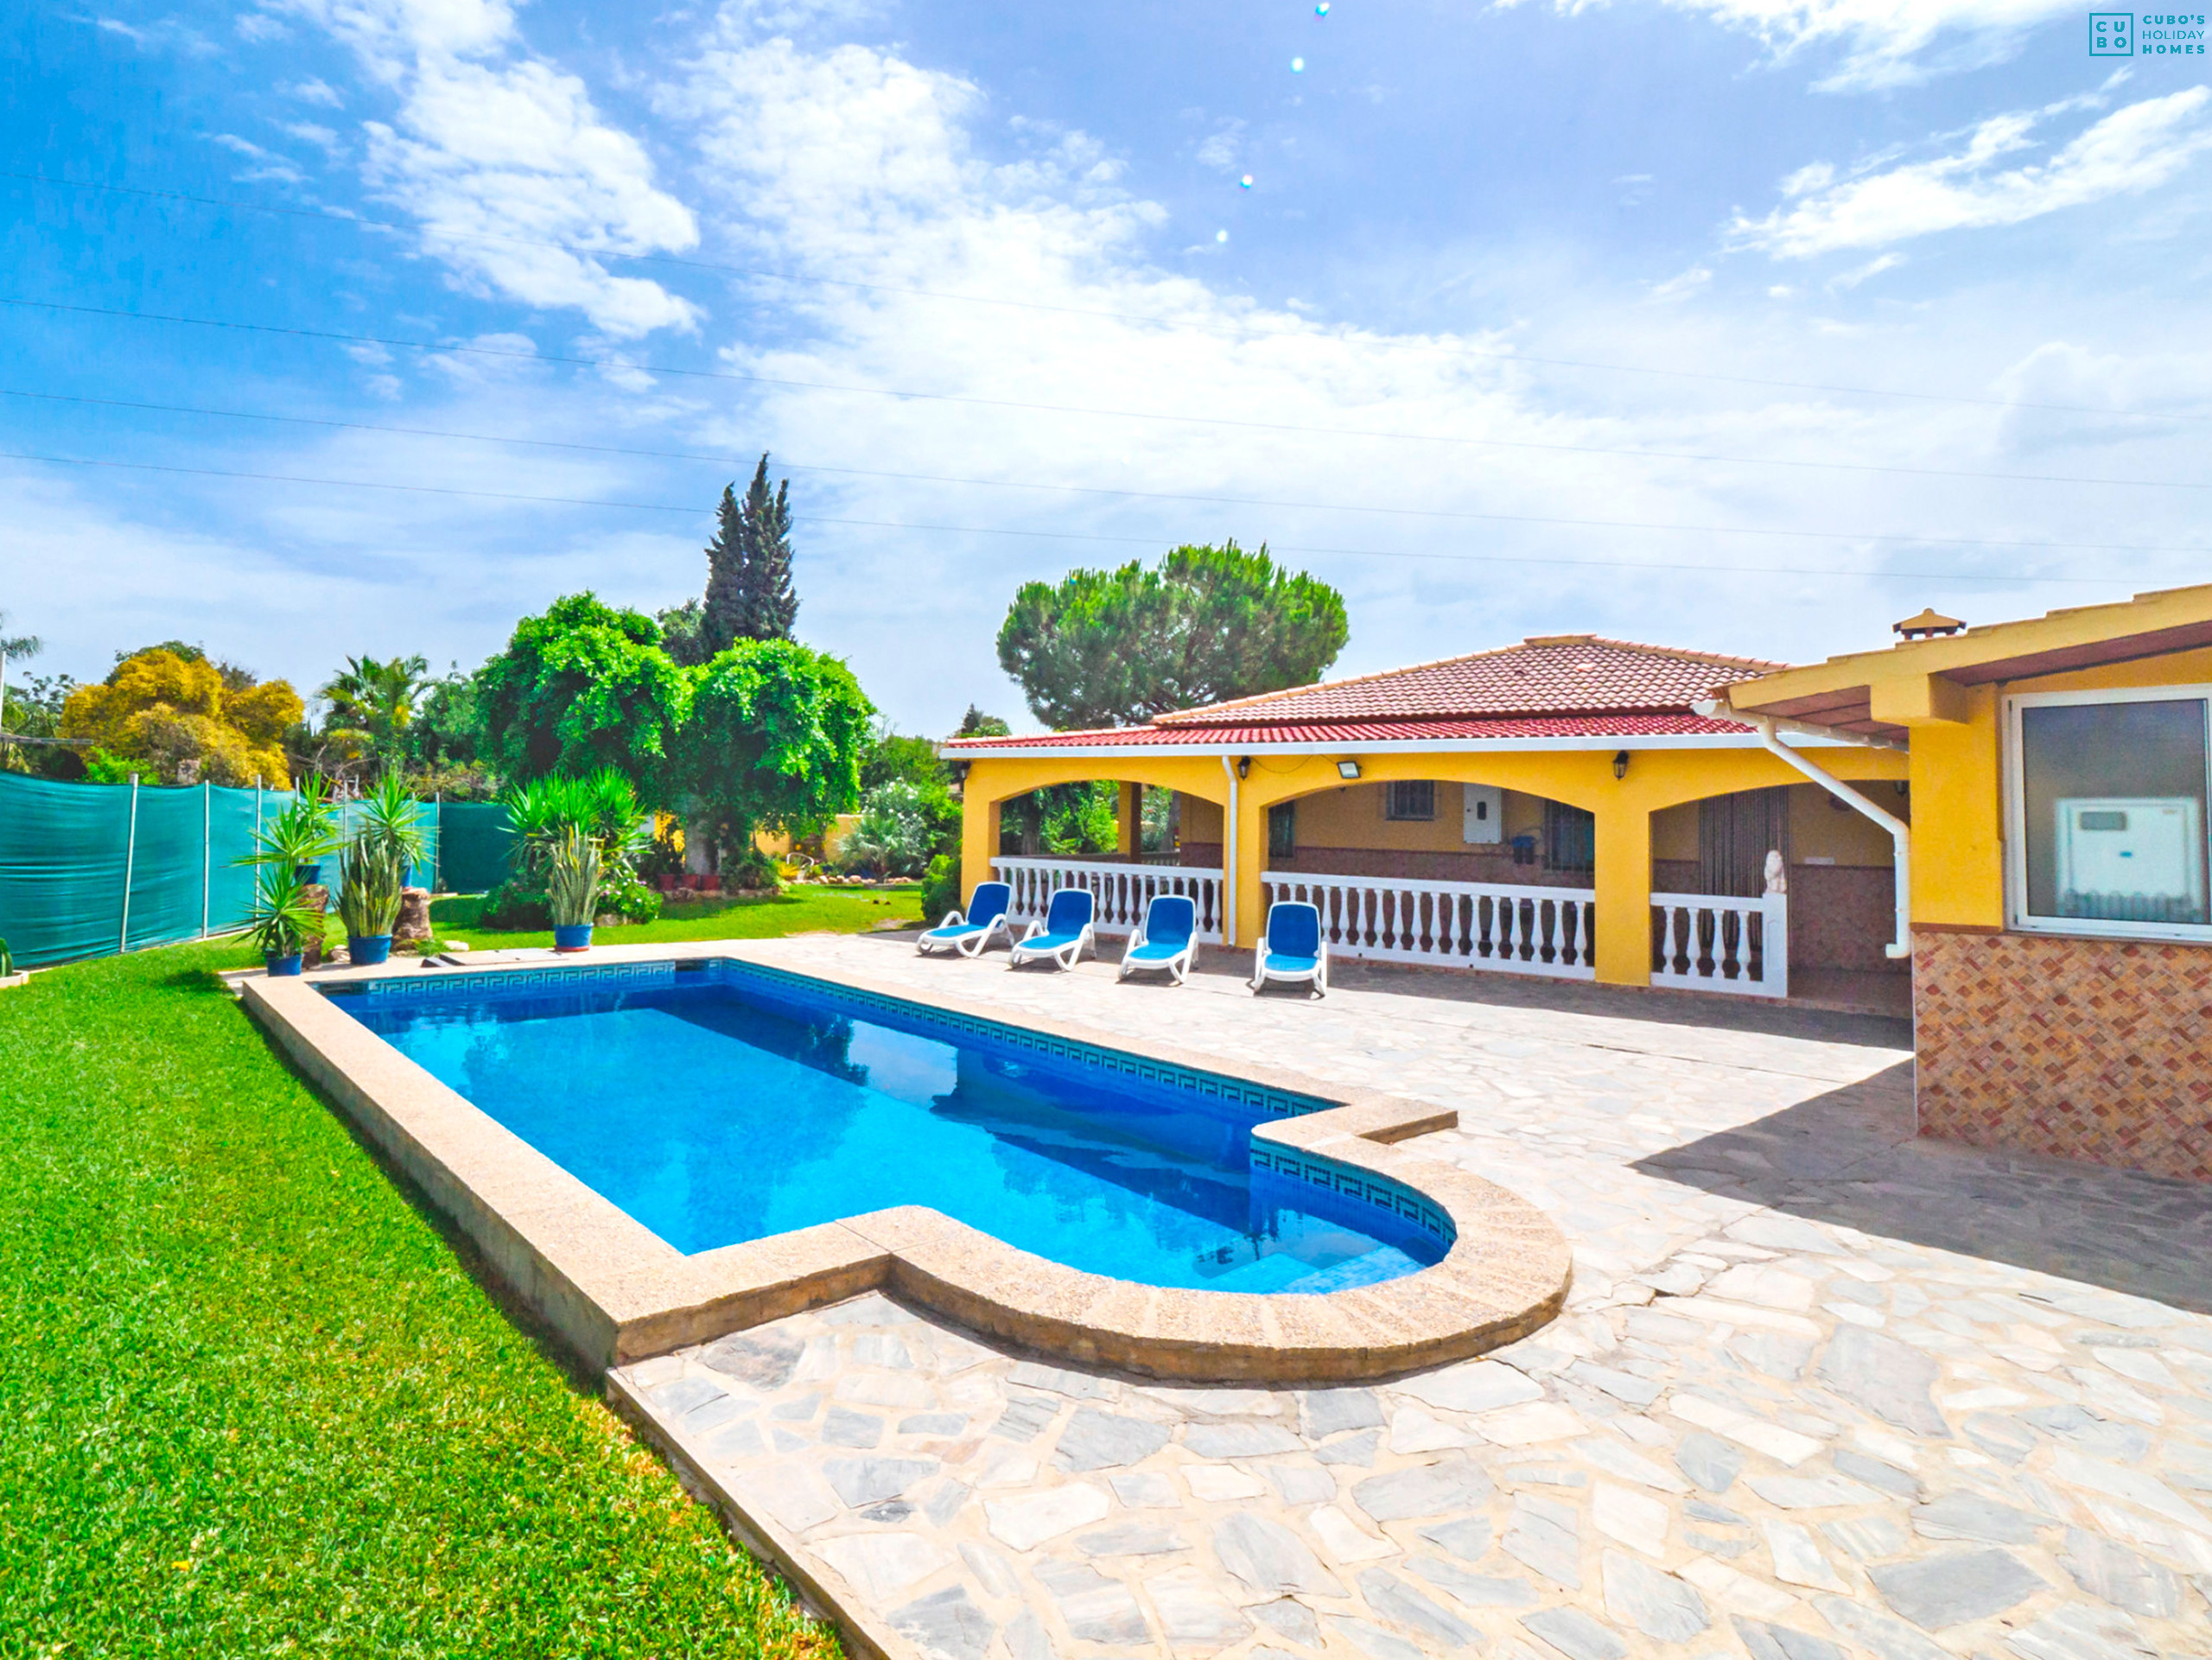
[799,910]
[252,1401]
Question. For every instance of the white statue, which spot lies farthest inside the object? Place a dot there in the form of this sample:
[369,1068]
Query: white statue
[1776,882]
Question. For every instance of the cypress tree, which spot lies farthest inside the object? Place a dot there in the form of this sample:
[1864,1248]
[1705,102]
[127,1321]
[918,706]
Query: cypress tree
[727,587]
[770,599]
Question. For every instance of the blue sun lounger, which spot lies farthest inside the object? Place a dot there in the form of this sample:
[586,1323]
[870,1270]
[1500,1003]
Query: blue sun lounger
[1293,950]
[1167,938]
[969,935]
[1063,935]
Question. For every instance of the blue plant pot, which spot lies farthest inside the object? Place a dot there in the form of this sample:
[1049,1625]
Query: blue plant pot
[572,937]
[367,951]
[307,875]
[280,966]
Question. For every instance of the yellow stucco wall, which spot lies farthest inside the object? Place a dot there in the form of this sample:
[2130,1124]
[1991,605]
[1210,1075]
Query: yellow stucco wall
[1623,808]
[1958,844]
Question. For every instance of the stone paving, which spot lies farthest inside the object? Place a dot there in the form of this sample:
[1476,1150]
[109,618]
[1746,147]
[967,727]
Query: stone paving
[1822,1390]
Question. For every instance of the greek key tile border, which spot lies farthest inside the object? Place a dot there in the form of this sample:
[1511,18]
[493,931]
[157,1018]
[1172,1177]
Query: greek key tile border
[1342,1180]
[395,986]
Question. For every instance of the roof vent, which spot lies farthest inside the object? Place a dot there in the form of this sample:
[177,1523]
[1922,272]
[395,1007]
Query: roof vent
[1928,622]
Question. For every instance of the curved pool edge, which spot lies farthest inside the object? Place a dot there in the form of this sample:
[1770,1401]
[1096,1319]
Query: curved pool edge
[617,1293]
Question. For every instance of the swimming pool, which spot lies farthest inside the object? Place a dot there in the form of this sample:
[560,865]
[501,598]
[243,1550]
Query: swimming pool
[718,1102]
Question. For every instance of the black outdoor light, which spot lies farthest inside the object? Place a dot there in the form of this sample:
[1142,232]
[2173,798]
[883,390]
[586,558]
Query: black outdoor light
[1620,764]
[1347,769]
[1243,766]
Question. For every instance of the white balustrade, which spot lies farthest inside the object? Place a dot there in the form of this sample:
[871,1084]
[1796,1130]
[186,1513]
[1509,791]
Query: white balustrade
[1702,942]
[1121,890]
[1500,925]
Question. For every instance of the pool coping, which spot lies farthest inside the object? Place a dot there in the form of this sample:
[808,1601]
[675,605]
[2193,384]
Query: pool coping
[616,1292]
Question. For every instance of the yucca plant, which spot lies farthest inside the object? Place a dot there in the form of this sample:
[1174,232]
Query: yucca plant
[572,873]
[368,903]
[281,921]
[7,962]
[389,825]
[305,833]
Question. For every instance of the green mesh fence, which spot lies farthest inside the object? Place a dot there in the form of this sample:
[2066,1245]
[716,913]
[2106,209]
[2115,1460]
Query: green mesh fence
[477,842]
[90,869]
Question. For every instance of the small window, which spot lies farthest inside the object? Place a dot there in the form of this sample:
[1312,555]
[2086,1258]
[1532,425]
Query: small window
[1570,838]
[1282,829]
[2108,796]
[1409,799]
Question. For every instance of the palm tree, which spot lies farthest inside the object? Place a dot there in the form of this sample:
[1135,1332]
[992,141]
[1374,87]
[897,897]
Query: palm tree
[372,704]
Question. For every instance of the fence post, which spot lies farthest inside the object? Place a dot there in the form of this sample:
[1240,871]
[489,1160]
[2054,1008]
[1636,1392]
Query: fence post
[129,862]
[207,849]
[438,839]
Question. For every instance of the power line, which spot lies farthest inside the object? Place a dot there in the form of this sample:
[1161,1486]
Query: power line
[897,394]
[1078,489]
[1154,541]
[1173,324]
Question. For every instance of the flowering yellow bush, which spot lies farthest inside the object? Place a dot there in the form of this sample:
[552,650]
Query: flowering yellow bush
[174,714]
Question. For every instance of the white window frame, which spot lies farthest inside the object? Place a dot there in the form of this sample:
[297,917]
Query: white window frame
[2017,917]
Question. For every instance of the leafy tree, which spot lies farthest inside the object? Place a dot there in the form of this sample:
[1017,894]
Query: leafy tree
[976,724]
[683,628]
[176,718]
[771,598]
[774,741]
[13,648]
[894,835]
[1117,647]
[722,618]
[581,686]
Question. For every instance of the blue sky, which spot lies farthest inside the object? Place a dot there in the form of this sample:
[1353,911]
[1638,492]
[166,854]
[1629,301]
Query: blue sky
[1749,325]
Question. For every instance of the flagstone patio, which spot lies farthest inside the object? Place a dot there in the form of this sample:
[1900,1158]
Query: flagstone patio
[1821,1390]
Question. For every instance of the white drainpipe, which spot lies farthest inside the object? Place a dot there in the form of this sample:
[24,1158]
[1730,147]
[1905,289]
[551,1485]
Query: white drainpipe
[1229,860]
[1900,832]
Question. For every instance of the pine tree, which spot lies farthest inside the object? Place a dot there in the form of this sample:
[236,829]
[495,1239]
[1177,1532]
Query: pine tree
[728,585]
[770,601]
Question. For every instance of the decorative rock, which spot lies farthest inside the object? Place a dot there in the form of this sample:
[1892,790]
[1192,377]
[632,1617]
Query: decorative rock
[2000,1437]
[1097,1609]
[1866,1538]
[1476,1590]
[2111,1571]
[1471,1386]
[1768,1642]
[1130,1540]
[1574,1634]
[1145,1490]
[864,1481]
[841,1428]
[947,1626]
[1026,1639]
[1547,1536]
[1884,1637]
[1100,1440]
[1427,1490]
[765,1357]
[1774,1353]
[1372,1640]
[1413,1430]
[1302,1484]
[1708,1460]
[880,1565]
[1191,1612]
[1797,1560]
[1637,1520]
[1468,1539]
[1268,1556]
[1394,1599]
[2077,1633]
[1238,1441]
[1888,1379]
[1289,1618]
[1342,1538]
[1898,1484]
[1216,1484]
[934,1424]
[1970,1515]
[1358,1449]
[1025,1523]
[1024,1416]
[1323,1413]
[1812,1492]
[1622,1386]
[1655,1603]
[413,920]
[1936,1592]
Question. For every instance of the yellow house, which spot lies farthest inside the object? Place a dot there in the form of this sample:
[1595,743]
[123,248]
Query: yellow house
[2061,940]
[1557,808]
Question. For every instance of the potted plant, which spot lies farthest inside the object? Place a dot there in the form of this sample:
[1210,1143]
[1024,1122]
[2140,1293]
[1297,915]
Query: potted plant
[387,842]
[300,837]
[281,921]
[572,873]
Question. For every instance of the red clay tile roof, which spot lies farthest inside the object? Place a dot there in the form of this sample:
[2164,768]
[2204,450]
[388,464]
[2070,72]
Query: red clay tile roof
[1226,735]
[1549,674]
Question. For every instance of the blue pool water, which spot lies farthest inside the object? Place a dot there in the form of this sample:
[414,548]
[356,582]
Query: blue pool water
[746,1106]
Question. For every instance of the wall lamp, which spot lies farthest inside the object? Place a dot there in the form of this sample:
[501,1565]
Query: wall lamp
[1620,764]
[1347,769]
[1243,766]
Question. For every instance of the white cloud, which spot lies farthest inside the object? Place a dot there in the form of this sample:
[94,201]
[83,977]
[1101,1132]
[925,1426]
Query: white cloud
[500,153]
[2132,150]
[1681,286]
[1885,42]
[1873,268]
[316,91]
